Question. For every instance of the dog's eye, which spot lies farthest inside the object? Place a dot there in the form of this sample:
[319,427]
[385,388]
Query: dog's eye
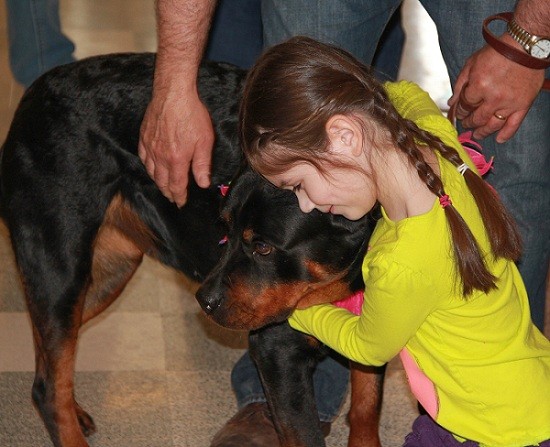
[261,248]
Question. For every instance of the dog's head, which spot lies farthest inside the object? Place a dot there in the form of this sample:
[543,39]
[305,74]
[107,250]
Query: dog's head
[277,259]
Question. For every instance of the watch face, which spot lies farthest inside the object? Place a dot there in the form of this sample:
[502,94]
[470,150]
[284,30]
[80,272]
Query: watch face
[541,49]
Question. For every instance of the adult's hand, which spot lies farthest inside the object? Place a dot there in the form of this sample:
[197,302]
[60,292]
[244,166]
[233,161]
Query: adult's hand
[176,131]
[176,135]
[493,93]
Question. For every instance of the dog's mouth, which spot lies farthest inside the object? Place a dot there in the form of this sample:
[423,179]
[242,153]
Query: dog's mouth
[238,316]
[247,308]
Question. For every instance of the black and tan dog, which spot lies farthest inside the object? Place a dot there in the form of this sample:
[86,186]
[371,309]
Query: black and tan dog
[82,212]
[278,259]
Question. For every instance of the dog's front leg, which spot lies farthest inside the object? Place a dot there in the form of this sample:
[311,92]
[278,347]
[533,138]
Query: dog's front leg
[285,360]
[366,402]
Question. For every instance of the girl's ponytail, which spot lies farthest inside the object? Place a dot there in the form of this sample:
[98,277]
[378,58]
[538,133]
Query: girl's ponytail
[500,227]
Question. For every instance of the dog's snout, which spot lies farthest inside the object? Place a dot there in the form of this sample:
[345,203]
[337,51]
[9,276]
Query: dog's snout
[208,302]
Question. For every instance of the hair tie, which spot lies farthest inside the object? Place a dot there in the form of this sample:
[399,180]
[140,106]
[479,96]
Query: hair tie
[462,168]
[445,201]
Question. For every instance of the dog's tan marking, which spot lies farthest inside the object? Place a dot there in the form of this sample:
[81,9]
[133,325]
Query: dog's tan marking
[118,251]
[248,234]
[366,403]
[327,287]
[248,307]
[65,413]
[122,217]
[63,417]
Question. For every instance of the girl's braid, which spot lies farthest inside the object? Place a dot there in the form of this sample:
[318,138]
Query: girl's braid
[471,267]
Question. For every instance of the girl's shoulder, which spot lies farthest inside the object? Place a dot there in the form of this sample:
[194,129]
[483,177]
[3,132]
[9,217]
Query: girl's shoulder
[411,101]
[419,244]
[415,104]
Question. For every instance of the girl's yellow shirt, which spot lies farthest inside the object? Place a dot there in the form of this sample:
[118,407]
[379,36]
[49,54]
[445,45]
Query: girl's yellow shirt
[478,365]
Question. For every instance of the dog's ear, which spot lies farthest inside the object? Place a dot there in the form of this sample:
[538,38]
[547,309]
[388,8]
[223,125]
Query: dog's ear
[239,190]
[361,226]
[355,233]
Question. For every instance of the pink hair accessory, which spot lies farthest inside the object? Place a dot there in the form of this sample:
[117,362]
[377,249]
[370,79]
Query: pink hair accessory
[445,201]
[353,303]
[223,240]
[473,149]
[224,189]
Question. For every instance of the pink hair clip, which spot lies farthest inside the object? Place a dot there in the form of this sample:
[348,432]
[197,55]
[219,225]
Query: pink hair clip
[445,201]
[223,240]
[473,149]
[223,189]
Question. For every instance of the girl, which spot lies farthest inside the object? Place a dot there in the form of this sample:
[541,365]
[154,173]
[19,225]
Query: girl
[442,289]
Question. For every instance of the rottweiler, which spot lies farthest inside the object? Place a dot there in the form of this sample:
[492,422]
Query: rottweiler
[82,212]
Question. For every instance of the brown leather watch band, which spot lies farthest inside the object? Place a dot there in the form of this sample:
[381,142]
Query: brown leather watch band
[512,53]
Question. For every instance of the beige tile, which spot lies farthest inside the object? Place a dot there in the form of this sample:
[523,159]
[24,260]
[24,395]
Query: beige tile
[136,15]
[195,344]
[20,425]
[117,341]
[93,42]
[10,94]
[11,291]
[16,342]
[199,405]
[122,341]
[130,409]
[3,20]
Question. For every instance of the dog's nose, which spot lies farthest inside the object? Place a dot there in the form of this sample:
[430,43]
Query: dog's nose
[208,302]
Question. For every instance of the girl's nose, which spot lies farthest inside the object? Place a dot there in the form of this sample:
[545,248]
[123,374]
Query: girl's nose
[306,205]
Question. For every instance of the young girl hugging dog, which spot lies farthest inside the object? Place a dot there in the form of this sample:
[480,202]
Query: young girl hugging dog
[441,287]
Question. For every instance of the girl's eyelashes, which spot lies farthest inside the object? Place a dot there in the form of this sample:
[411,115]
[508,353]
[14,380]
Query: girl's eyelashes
[297,188]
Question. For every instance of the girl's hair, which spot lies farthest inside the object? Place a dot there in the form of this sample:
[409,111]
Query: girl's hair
[289,96]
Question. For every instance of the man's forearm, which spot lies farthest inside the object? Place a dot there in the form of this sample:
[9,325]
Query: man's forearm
[534,16]
[182,30]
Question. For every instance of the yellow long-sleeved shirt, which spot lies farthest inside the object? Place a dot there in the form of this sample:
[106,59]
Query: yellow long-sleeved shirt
[478,365]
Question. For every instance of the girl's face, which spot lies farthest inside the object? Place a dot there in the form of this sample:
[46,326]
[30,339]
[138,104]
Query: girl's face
[346,191]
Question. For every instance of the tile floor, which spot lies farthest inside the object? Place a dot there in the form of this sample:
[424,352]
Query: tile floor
[151,370]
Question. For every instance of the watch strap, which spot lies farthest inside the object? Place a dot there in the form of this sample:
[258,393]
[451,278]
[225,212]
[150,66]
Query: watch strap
[508,51]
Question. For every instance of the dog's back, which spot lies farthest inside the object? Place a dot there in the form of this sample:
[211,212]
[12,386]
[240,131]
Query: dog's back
[76,133]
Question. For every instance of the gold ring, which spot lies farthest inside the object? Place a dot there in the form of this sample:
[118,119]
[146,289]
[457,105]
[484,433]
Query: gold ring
[500,117]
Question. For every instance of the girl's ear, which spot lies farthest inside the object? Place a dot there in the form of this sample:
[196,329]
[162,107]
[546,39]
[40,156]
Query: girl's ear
[344,134]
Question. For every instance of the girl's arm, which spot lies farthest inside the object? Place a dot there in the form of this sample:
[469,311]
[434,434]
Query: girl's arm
[397,302]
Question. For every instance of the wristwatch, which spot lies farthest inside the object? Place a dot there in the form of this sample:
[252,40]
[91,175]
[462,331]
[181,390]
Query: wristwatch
[535,46]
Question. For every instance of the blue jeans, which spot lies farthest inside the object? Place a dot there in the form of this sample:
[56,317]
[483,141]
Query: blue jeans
[36,42]
[522,165]
[236,33]
[236,37]
[330,382]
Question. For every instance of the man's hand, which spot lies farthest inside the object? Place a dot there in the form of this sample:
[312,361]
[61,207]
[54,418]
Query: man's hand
[176,134]
[493,94]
